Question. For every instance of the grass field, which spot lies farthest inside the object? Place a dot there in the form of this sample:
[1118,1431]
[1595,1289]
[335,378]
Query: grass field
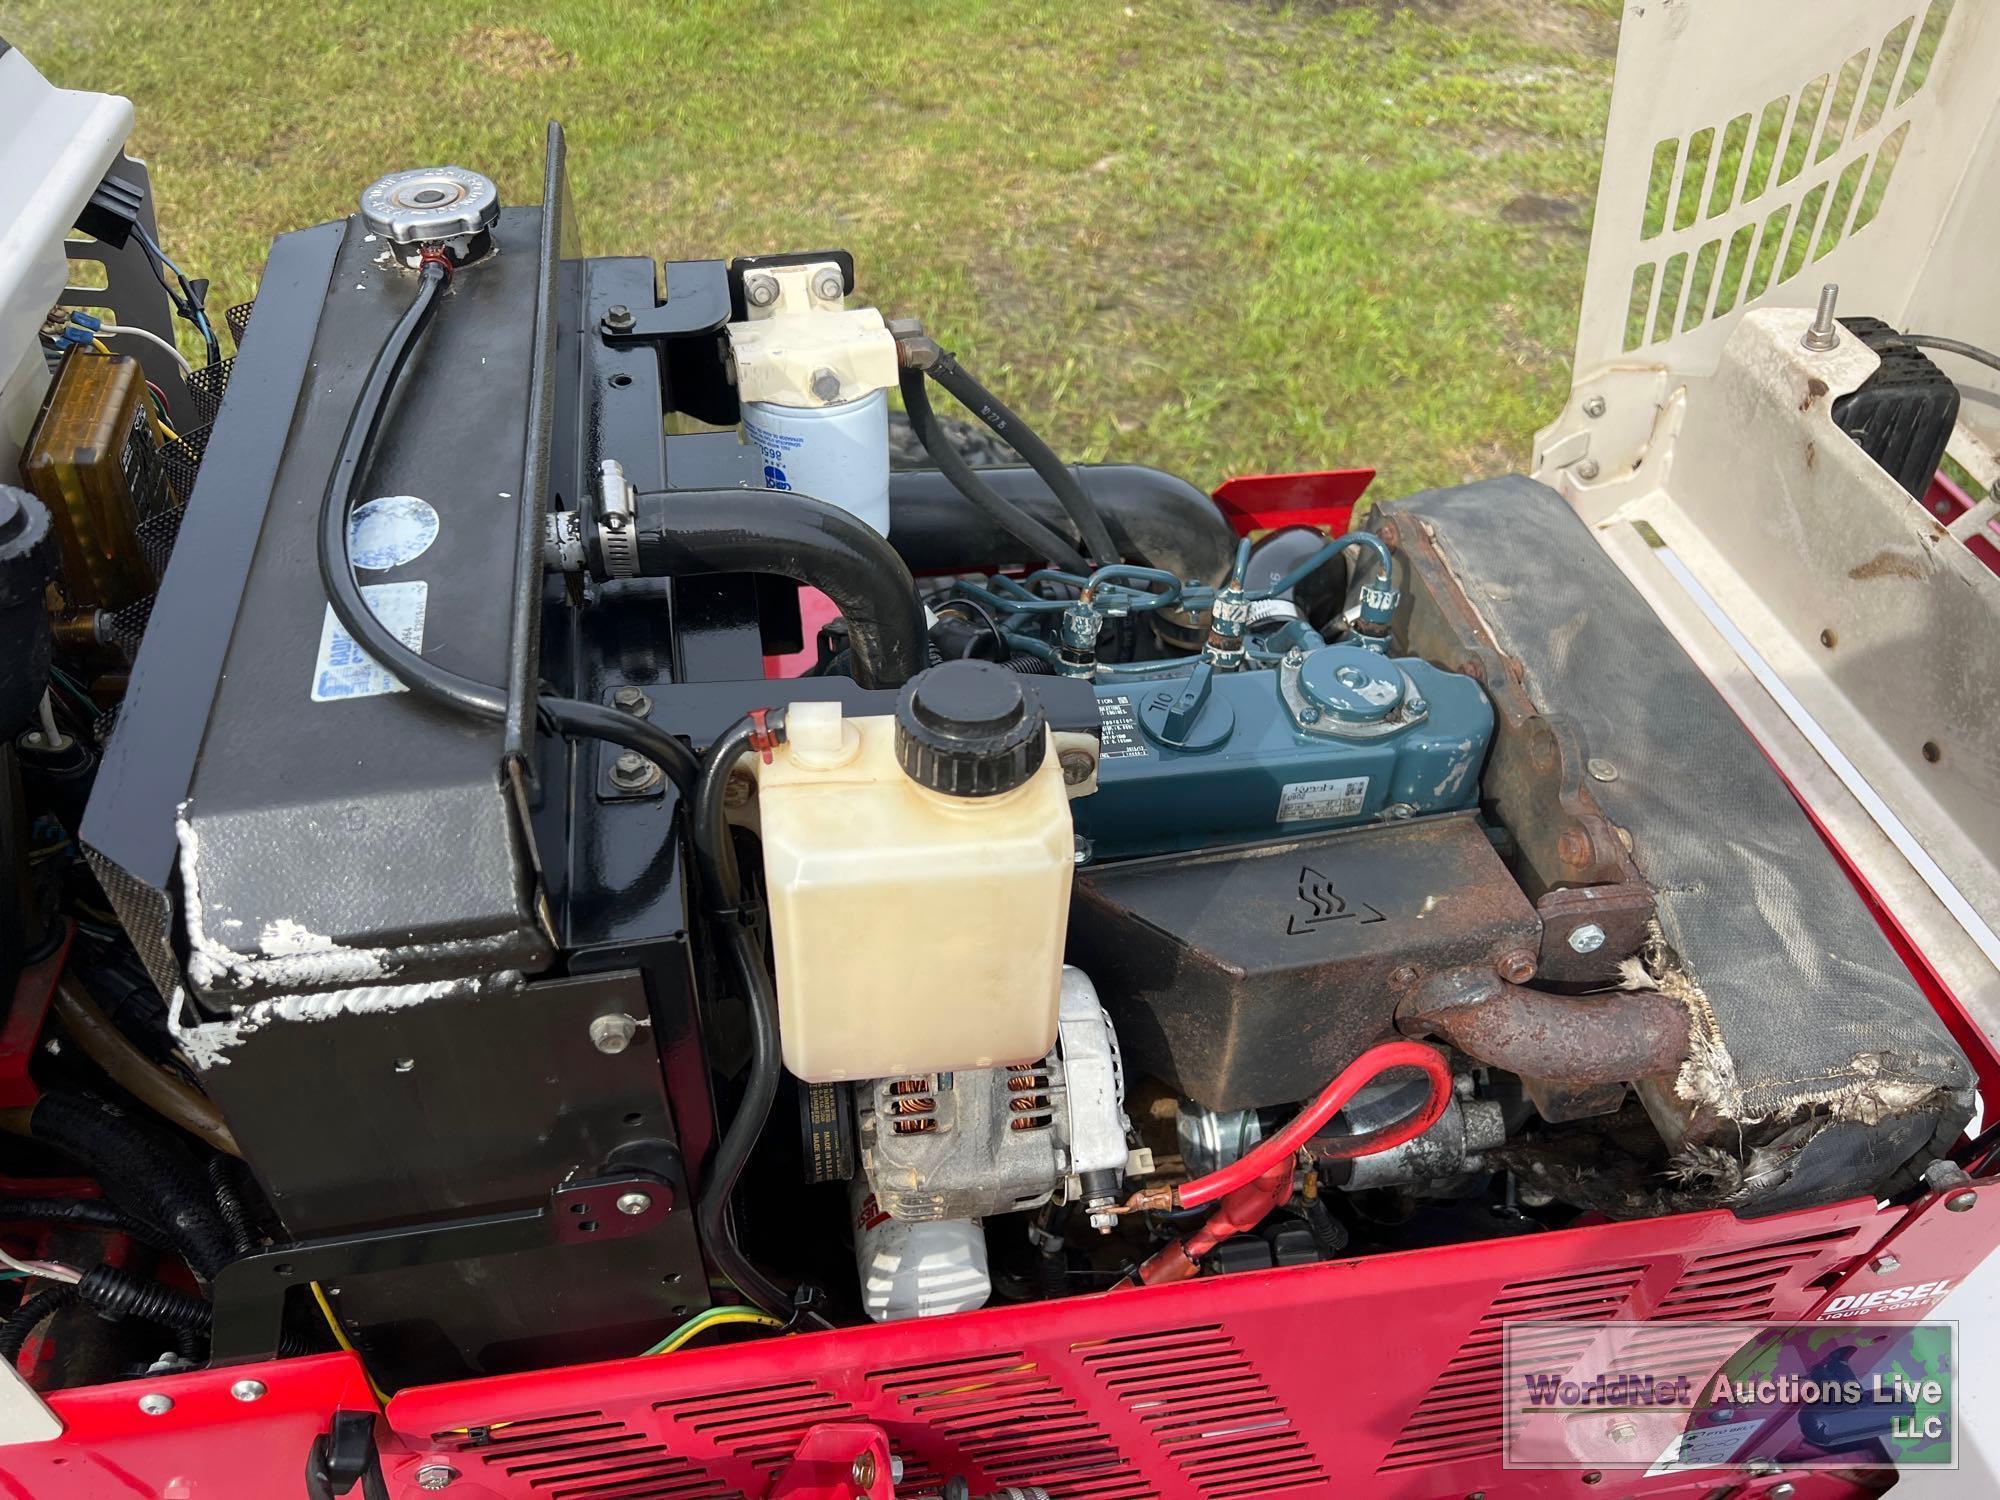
[1216,235]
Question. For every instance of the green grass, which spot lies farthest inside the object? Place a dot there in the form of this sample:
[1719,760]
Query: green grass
[1215,235]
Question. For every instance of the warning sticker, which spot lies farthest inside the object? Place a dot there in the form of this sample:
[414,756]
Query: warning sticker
[1309,801]
[1122,736]
[344,670]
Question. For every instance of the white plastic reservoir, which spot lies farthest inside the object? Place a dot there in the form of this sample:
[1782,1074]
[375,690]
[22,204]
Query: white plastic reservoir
[918,872]
[917,1270]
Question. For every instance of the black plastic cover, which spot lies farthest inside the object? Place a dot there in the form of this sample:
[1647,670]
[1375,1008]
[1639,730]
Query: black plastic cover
[1903,414]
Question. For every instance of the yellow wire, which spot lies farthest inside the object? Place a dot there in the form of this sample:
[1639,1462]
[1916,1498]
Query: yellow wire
[716,1317]
[161,423]
[340,1337]
[100,346]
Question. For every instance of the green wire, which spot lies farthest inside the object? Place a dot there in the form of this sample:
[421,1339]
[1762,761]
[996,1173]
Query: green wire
[699,1321]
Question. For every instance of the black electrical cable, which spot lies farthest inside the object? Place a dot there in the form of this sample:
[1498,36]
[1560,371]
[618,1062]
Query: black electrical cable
[121,1294]
[722,881]
[994,412]
[1952,346]
[83,1213]
[30,1315]
[567,716]
[1040,541]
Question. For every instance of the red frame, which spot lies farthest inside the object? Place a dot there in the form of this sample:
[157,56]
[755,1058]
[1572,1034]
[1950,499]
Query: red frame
[1375,1376]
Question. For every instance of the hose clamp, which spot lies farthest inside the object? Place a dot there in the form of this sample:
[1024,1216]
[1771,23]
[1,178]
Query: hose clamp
[617,521]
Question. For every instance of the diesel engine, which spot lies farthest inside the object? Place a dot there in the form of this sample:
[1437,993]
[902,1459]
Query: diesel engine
[550,809]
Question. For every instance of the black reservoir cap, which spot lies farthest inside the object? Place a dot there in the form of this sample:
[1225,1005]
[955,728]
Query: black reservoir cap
[969,729]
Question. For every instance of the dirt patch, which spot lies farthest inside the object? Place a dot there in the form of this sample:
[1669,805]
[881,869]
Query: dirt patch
[1534,208]
[1886,565]
[512,52]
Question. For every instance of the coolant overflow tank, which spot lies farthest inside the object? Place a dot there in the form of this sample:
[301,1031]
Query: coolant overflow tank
[918,872]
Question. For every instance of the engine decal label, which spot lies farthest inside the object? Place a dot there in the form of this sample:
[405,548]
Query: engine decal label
[1122,736]
[1309,801]
[390,531]
[344,670]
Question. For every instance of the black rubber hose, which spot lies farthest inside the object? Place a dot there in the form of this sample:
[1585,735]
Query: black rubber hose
[152,1179]
[122,1294]
[425,678]
[1040,543]
[1151,513]
[29,1316]
[1329,1235]
[83,1213]
[722,882]
[684,532]
[1009,428]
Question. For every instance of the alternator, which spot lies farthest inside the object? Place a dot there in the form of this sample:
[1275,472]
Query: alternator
[998,1140]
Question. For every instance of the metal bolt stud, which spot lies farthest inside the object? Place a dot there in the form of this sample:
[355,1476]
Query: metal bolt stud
[1783,1491]
[1586,939]
[1959,1203]
[632,700]
[248,1390]
[1517,966]
[1593,406]
[1416,708]
[435,1476]
[1588,470]
[826,383]
[1601,769]
[613,1034]
[634,1203]
[863,1472]
[1824,334]
[618,318]
[632,772]
[1081,854]
[1308,715]
[828,285]
[1884,1263]
[155,1404]
[760,289]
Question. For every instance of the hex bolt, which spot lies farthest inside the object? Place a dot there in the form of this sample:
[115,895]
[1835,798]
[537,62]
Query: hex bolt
[863,1472]
[895,1469]
[1573,848]
[1601,769]
[435,1476]
[1593,406]
[1308,715]
[155,1404]
[1824,335]
[1884,1263]
[760,289]
[248,1390]
[1588,470]
[826,383]
[634,1203]
[618,318]
[632,772]
[1103,1221]
[613,1034]
[1076,766]
[1586,939]
[1405,976]
[1517,966]
[829,286]
[633,701]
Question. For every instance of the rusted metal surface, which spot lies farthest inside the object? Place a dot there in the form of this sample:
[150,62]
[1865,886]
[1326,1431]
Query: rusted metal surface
[1624,912]
[1248,977]
[1537,777]
[1578,1042]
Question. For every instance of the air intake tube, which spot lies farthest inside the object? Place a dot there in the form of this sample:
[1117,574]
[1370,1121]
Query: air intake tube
[685,532]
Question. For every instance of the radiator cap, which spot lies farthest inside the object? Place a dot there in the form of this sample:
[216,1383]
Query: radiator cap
[969,729]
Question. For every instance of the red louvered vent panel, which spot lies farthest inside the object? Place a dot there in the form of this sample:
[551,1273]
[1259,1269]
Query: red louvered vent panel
[1460,1416]
[1205,1404]
[761,1423]
[1741,1285]
[1002,1412]
[583,1455]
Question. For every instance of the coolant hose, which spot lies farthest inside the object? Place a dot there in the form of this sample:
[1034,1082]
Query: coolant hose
[722,887]
[1010,429]
[1154,516]
[683,532]
[146,1176]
